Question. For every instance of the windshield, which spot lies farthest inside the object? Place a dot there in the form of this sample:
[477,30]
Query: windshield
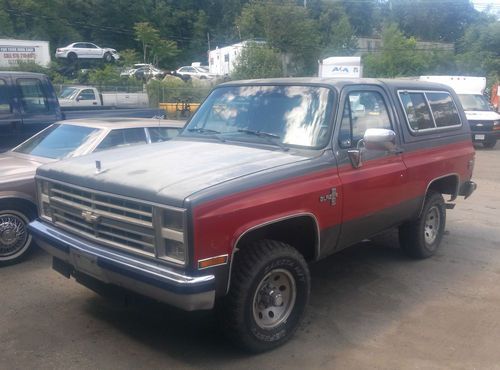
[67,92]
[57,141]
[474,102]
[284,115]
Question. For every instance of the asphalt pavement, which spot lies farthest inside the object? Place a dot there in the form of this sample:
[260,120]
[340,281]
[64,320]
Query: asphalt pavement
[370,308]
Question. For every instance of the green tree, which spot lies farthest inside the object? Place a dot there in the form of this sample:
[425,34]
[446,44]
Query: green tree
[257,61]
[287,28]
[479,50]
[155,49]
[399,56]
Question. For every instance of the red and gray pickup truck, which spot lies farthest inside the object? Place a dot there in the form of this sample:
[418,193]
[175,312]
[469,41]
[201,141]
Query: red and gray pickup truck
[267,177]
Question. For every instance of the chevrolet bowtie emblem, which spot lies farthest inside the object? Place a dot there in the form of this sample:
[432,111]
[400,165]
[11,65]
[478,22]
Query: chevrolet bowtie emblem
[90,217]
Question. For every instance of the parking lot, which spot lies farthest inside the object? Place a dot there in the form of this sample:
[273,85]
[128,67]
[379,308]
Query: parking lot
[370,308]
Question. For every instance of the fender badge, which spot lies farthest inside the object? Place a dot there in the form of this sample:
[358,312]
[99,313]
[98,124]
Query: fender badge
[97,166]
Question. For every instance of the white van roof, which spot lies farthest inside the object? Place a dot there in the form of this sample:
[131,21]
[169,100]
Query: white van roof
[461,84]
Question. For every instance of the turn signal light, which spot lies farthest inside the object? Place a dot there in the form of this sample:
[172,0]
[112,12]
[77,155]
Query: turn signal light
[212,261]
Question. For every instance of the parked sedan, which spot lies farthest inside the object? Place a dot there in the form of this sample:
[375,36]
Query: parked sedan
[61,140]
[196,72]
[87,50]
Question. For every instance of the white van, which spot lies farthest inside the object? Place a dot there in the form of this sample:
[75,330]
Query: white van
[484,121]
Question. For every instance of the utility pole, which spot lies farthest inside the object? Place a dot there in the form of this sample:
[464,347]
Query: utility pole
[305,3]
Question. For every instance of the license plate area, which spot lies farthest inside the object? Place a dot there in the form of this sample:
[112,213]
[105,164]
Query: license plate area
[479,137]
[87,264]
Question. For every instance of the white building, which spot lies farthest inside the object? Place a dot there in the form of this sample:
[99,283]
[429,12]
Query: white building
[221,61]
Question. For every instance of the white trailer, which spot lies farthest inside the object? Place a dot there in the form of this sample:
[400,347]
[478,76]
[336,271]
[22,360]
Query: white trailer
[14,51]
[342,67]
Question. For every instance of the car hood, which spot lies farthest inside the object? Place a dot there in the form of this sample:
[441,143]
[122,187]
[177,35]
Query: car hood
[14,166]
[167,172]
[481,115]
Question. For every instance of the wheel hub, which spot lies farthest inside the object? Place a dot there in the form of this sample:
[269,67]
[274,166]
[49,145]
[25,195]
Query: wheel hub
[432,225]
[274,299]
[13,234]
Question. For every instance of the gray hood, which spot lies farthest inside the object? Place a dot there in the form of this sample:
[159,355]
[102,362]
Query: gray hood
[166,172]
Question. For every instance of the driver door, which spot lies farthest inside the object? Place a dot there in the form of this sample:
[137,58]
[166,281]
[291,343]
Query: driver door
[374,193]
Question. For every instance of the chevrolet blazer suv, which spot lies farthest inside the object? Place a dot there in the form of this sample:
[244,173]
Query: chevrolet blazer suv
[267,177]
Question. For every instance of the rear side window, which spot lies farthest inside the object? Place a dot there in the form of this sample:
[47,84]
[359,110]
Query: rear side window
[5,106]
[443,109]
[33,99]
[429,110]
[417,111]
[123,137]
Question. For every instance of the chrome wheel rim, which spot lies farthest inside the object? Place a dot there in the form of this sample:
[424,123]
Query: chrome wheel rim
[13,234]
[432,225]
[274,299]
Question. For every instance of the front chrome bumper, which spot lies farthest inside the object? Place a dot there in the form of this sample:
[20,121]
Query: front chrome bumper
[134,273]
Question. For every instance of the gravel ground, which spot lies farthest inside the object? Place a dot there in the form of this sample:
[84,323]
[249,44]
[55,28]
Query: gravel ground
[370,308]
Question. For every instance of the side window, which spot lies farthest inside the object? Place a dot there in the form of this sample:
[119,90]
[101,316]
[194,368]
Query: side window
[427,110]
[443,109]
[159,134]
[417,110]
[33,99]
[362,110]
[79,45]
[87,94]
[5,104]
[122,137]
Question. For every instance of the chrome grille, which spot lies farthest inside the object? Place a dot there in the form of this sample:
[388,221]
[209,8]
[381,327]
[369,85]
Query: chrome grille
[108,219]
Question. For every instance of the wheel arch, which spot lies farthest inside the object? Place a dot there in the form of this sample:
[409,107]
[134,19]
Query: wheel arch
[19,201]
[273,229]
[447,184]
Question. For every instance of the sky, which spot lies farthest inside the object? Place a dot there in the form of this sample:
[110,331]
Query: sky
[482,4]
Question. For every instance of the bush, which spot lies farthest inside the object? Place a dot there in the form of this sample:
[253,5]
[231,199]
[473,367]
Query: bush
[173,89]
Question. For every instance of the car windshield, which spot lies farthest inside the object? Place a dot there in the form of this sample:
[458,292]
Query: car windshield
[284,115]
[57,141]
[474,102]
[67,92]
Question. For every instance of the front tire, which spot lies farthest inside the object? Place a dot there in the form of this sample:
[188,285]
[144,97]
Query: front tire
[421,238]
[15,239]
[108,58]
[269,293]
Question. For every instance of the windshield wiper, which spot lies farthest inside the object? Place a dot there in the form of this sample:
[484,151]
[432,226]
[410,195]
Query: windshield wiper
[266,135]
[202,130]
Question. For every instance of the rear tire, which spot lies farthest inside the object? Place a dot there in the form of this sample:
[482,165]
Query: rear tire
[421,238]
[269,293]
[15,240]
[72,57]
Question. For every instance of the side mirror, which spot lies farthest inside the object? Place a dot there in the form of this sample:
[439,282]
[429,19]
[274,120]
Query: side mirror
[78,98]
[379,139]
[373,139]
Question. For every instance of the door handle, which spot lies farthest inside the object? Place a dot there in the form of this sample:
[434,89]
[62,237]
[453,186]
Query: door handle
[397,150]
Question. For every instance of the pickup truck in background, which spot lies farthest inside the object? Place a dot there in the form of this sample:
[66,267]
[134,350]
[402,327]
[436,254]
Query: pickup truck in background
[90,97]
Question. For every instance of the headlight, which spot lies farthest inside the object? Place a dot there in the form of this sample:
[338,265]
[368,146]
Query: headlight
[43,190]
[172,243]
[496,125]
